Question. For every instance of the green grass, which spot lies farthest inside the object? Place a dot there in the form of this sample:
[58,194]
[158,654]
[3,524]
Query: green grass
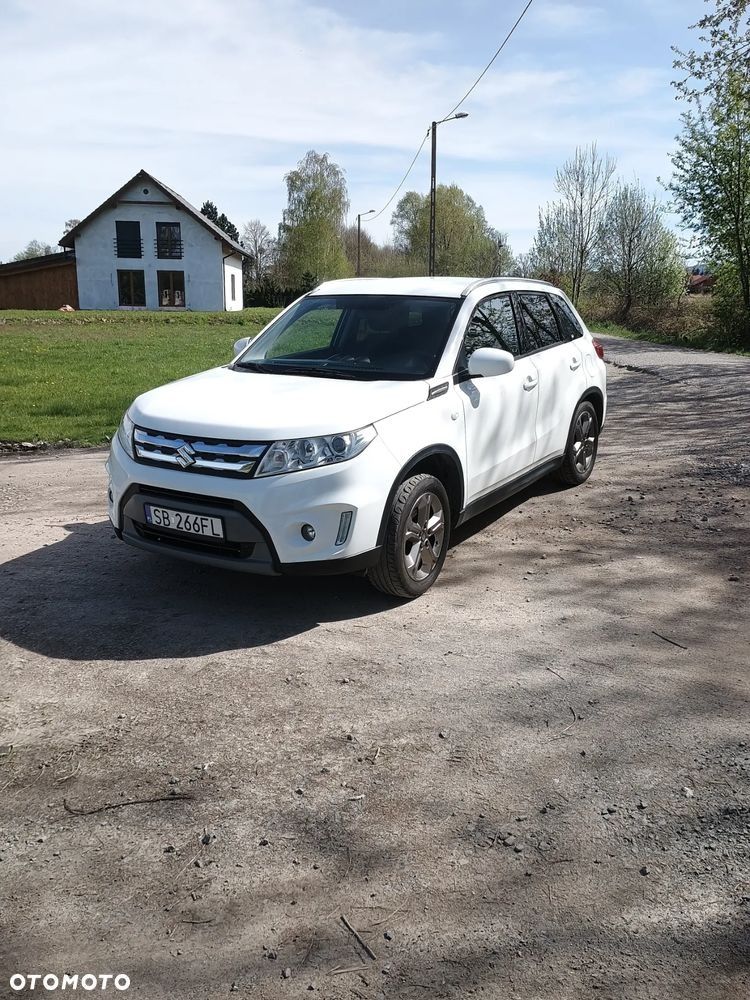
[703,340]
[70,376]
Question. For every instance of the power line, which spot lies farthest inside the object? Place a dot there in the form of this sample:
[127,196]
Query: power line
[505,42]
[403,179]
[457,106]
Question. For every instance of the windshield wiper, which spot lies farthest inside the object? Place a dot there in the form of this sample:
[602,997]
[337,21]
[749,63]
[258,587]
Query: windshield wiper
[252,366]
[315,372]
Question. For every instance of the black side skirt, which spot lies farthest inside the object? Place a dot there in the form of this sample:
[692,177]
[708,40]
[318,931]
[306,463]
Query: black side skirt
[503,492]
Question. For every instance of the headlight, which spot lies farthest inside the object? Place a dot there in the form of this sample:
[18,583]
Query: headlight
[312,452]
[125,434]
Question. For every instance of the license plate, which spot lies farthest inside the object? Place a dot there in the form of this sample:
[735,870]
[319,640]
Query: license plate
[181,520]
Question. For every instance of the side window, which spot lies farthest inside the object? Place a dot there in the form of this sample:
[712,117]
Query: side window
[492,325]
[538,320]
[128,241]
[131,287]
[569,325]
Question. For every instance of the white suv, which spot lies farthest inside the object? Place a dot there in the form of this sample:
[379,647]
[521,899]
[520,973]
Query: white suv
[362,425]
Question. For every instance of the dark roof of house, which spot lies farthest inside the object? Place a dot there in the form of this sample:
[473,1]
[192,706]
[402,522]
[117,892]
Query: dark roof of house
[37,263]
[68,239]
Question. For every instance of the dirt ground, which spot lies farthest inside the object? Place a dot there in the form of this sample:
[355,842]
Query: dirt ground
[532,783]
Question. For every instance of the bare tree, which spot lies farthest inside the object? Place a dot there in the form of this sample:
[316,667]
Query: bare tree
[552,253]
[571,227]
[261,246]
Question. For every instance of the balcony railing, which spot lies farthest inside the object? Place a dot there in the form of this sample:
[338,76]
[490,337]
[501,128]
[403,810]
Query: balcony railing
[128,248]
[168,249]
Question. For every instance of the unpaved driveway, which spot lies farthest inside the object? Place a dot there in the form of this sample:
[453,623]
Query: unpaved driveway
[531,783]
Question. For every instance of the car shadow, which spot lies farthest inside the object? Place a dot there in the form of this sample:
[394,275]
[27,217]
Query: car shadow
[90,597]
[548,486]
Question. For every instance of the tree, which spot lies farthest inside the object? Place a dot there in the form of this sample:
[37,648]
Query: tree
[70,225]
[524,266]
[212,213]
[261,246]
[711,179]
[571,227]
[638,258]
[465,243]
[310,233]
[552,255]
[35,248]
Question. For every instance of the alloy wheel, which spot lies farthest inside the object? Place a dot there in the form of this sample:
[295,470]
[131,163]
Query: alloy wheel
[424,536]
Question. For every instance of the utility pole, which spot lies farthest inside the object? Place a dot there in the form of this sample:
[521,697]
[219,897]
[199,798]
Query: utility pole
[433,192]
[433,185]
[359,237]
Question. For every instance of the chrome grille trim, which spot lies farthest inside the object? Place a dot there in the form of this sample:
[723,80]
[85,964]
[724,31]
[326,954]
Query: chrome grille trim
[190,454]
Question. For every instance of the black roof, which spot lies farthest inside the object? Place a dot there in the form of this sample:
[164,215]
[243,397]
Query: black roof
[37,263]
[68,239]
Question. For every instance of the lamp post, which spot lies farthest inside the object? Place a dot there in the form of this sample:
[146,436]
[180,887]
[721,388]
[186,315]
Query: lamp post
[359,235]
[433,129]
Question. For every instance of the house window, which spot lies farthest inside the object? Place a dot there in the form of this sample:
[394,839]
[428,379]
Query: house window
[232,286]
[131,287]
[128,239]
[171,288]
[168,242]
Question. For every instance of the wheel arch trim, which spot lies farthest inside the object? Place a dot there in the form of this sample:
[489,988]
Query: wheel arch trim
[439,451]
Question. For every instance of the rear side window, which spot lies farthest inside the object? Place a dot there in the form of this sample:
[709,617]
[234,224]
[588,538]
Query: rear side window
[538,320]
[570,328]
[492,325]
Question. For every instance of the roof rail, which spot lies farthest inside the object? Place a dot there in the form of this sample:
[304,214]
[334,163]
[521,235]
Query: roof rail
[473,285]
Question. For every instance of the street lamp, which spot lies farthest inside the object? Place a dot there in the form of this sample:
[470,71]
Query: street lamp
[433,129]
[359,234]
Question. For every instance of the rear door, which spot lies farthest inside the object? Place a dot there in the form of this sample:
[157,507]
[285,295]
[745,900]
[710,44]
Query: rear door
[500,412]
[558,358]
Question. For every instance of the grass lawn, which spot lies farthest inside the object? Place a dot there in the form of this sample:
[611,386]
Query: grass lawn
[701,340]
[71,376]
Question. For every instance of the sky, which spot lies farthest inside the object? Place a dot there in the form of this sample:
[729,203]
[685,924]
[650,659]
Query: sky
[219,99]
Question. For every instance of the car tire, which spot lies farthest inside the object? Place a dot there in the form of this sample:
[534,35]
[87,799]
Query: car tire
[583,445]
[416,538]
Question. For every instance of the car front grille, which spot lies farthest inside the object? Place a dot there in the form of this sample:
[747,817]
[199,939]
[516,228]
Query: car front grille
[208,457]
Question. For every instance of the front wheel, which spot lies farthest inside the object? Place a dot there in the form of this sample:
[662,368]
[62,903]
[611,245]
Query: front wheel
[583,444]
[416,538]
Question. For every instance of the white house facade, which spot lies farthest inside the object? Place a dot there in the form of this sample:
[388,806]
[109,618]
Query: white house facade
[148,248]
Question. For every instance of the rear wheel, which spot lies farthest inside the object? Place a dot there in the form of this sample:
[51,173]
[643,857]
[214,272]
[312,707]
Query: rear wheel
[416,538]
[583,444]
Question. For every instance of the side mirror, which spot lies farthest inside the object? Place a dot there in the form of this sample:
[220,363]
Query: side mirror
[241,344]
[490,361]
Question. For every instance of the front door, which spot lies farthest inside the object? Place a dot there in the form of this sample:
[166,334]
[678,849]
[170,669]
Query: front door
[499,412]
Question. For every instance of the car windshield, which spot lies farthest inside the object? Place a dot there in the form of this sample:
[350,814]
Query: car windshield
[355,337]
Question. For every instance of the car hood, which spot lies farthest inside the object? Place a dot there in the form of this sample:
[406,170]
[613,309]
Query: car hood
[254,406]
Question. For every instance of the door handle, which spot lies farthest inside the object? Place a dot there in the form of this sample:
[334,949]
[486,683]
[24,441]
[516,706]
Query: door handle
[530,382]
[575,363]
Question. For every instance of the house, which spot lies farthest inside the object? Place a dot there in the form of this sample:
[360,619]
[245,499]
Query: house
[700,280]
[145,247]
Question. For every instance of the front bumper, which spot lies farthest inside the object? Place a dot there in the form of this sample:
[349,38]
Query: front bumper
[262,518]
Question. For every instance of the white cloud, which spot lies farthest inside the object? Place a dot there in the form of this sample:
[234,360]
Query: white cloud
[562,18]
[220,98]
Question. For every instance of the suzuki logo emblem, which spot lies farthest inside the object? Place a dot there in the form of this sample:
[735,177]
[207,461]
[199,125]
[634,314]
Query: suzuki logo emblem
[185,456]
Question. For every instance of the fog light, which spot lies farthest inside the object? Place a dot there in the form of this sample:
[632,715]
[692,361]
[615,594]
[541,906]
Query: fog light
[345,523]
[308,532]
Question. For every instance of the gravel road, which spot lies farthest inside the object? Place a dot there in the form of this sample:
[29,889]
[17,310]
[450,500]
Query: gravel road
[532,783]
